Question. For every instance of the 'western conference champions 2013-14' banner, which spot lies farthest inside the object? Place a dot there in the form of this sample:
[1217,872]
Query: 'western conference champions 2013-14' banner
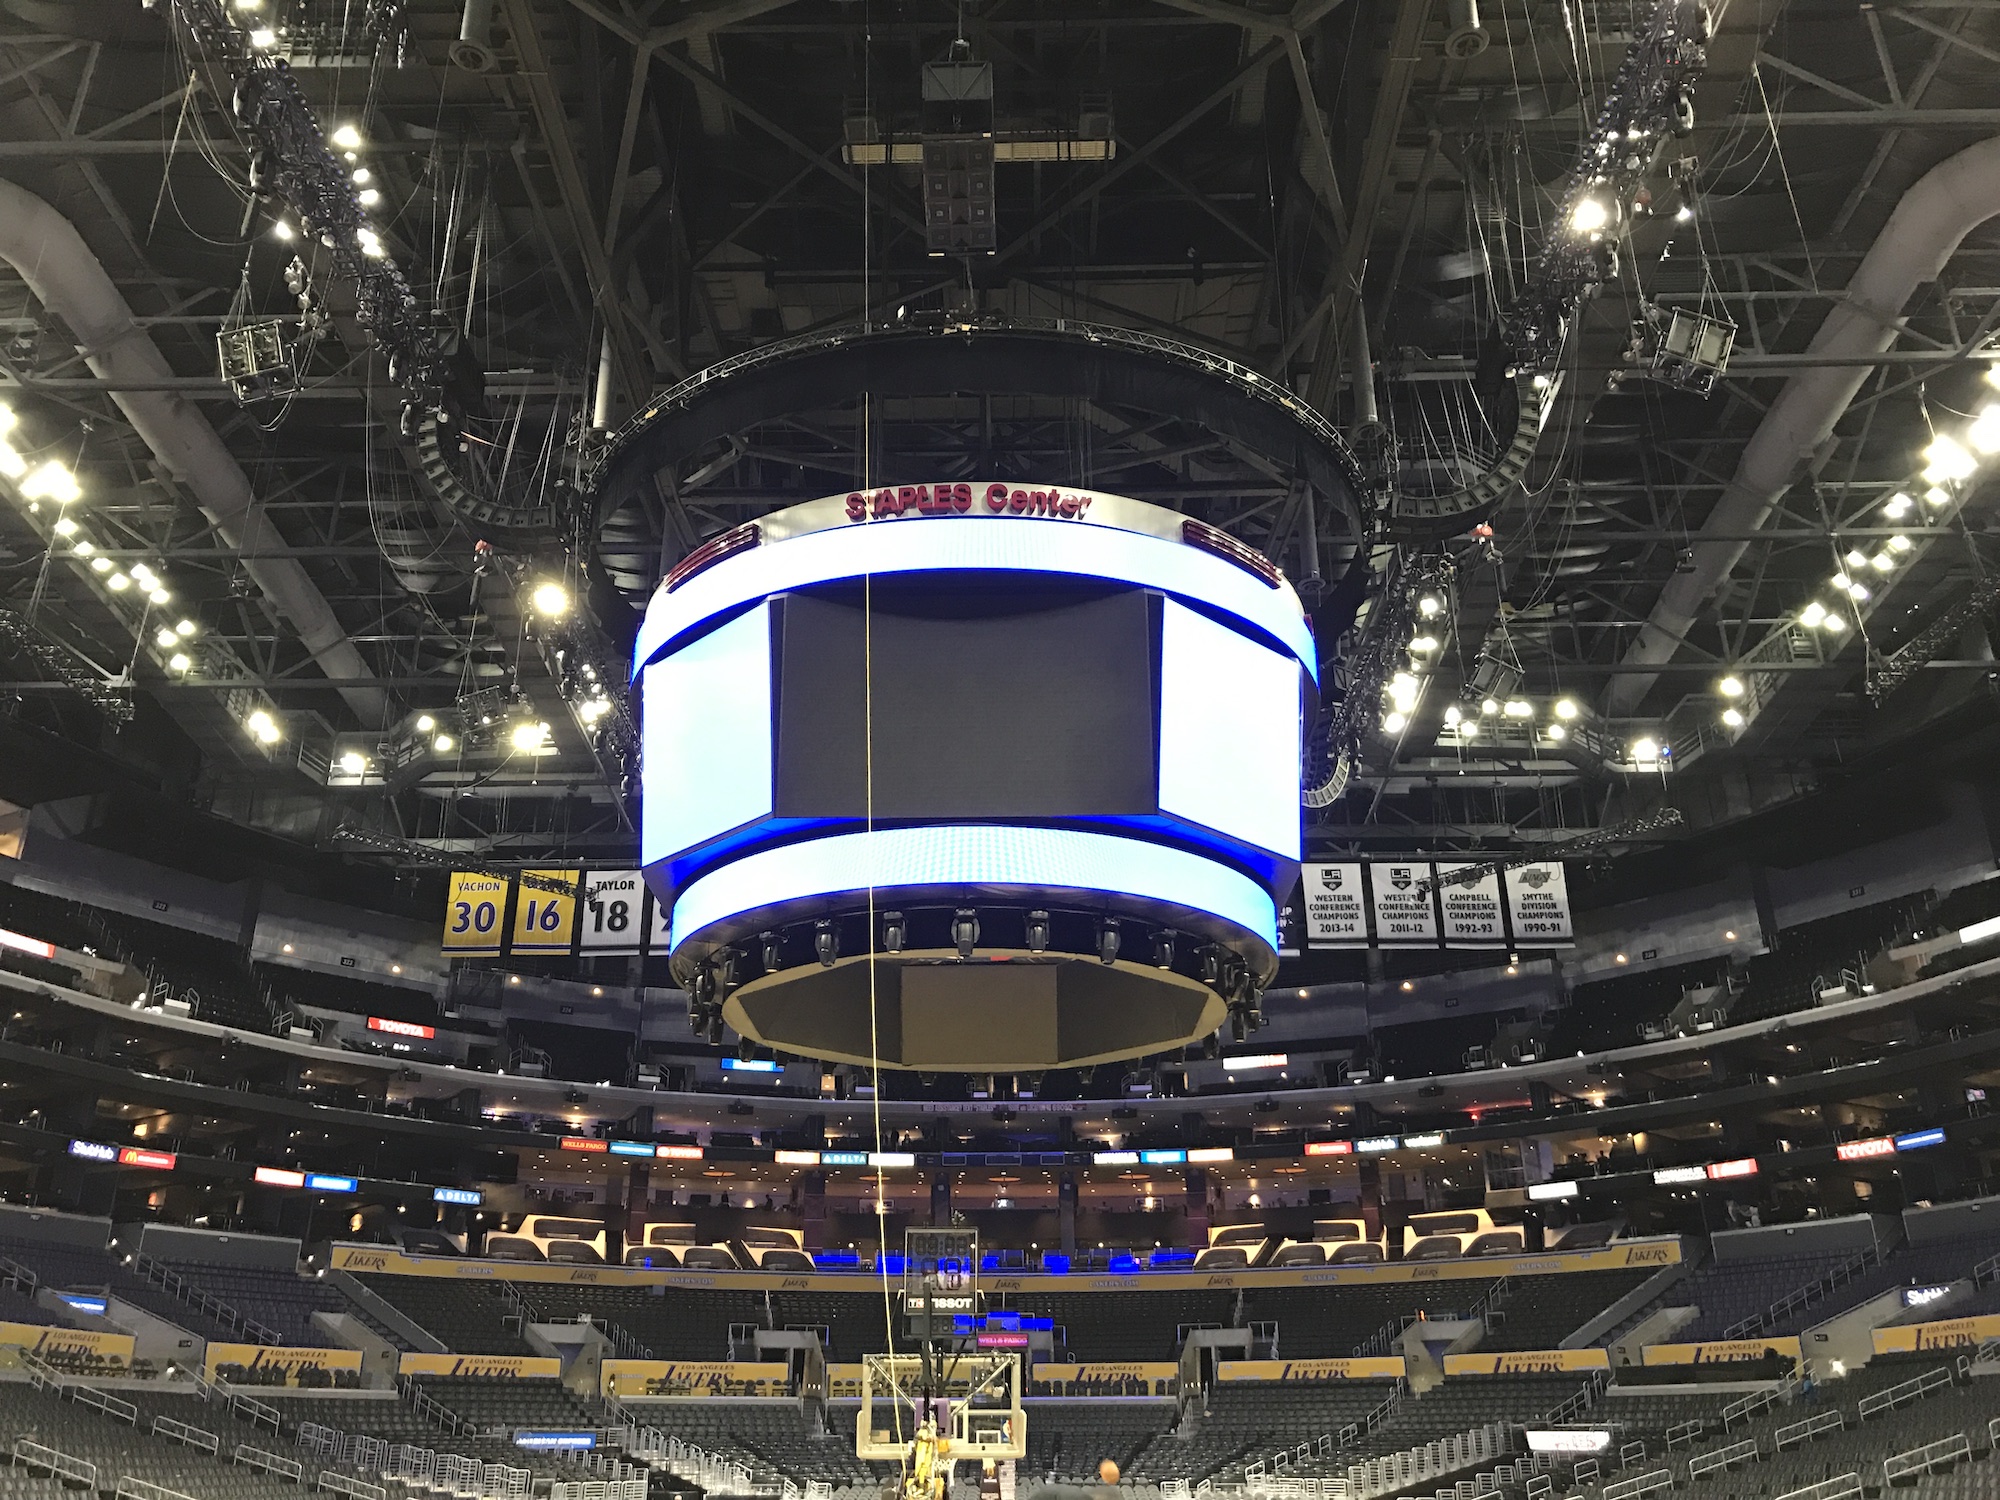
[1400,904]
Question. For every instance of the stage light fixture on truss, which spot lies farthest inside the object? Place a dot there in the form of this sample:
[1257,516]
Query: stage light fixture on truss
[258,361]
[1680,347]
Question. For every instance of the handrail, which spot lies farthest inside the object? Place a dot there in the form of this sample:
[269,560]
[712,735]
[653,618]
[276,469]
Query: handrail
[347,1484]
[1840,1487]
[130,1488]
[111,1406]
[1908,1390]
[181,1432]
[208,1305]
[1639,1484]
[1800,1298]
[1926,1459]
[270,1463]
[1810,1428]
[1684,1432]
[259,1413]
[33,1455]
[1722,1458]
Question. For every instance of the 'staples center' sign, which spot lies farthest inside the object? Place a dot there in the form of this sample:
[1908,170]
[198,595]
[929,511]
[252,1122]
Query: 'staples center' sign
[958,500]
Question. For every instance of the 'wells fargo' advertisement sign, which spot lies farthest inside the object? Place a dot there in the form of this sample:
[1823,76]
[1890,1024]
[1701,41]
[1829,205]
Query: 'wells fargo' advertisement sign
[1952,1333]
[1726,1352]
[680,1377]
[1527,1362]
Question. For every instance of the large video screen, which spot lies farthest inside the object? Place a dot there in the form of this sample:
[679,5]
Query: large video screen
[1229,732]
[985,704]
[707,766]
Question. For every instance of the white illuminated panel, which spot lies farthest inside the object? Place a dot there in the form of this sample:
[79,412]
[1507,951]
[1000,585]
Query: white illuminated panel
[1016,544]
[708,737]
[1047,859]
[1229,732]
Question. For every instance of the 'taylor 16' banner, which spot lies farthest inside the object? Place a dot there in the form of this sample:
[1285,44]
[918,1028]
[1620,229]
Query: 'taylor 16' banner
[1386,904]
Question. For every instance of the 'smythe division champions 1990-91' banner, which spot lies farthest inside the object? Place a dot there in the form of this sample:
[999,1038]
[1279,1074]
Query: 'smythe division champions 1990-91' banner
[1384,904]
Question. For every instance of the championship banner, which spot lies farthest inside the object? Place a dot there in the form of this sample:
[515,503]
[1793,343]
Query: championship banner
[1471,910]
[1952,1333]
[1373,1367]
[258,1364]
[613,916]
[1726,1352]
[1529,1362]
[1083,1379]
[626,1378]
[67,1343]
[1538,906]
[474,913]
[381,1260]
[510,1366]
[1336,909]
[1404,916]
[545,920]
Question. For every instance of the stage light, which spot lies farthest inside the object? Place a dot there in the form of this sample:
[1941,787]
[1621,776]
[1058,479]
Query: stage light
[118,583]
[51,482]
[895,931]
[1430,605]
[1645,750]
[361,175]
[166,640]
[64,527]
[281,230]
[184,629]
[1984,433]
[443,743]
[1163,949]
[826,942]
[1897,506]
[1899,544]
[1452,715]
[370,245]
[1733,717]
[1038,931]
[1882,562]
[1833,624]
[1856,558]
[354,763]
[1556,733]
[1812,615]
[263,37]
[262,726]
[159,596]
[1589,216]
[1423,645]
[1945,460]
[347,138]
[179,661]
[550,598]
[368,197]
[1488,706]
[1108,938]
[84,547]
[1937,495]
[1394,723]
[1684,214]
[530,735]
[100,565]
[425,724]
[965,931]
[1730,687]
[1519,708]
[1566,708]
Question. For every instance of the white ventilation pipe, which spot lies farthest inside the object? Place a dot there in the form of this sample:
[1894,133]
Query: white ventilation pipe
[69,280]
[1945,204]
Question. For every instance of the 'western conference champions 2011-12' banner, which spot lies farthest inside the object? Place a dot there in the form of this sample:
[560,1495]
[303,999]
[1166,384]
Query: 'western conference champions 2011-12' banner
[1398,904]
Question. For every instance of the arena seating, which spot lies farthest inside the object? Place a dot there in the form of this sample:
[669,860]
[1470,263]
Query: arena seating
[469,1317]
[854,1325]
[1607,1013]
[682,1325]
[280,1300]
[83,1268]
[1783,980]
[1129,1326]
[500,1403]
[1066,1443]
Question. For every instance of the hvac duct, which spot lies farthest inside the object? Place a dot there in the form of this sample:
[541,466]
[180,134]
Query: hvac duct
[67,278]
[1943,206]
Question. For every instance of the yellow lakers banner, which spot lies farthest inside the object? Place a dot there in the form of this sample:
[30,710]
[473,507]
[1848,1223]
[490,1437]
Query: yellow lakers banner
[1083,1380]
[843,1382]
[679,1377]
[1527,1362]
[67,1343]
[376,1260]
[512,1366]
[1952,1333]
[1726,1352]
[1375,1367]
[257,1364]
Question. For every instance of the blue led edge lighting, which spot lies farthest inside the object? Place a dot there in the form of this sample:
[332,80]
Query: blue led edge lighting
[1916,1140]
[980,544]
[632,1148]
[1162,1158]
[320,1182]
[749,1065]
[470,1197]
[1042,859]
[96,1305]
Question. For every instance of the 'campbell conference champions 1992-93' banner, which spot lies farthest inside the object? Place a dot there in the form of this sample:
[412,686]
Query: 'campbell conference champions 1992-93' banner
[1388,904]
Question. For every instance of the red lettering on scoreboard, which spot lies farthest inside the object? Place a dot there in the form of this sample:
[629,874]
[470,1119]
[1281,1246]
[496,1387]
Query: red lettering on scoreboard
[957,500]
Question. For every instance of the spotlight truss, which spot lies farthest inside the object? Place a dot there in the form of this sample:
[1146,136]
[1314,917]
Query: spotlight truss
[1627,832]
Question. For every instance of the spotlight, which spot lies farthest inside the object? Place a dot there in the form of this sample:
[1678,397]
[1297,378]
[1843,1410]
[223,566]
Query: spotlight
[1589,216]
[347,138]
[118,583]
[1899,504]
[1812,615]
[100,565]
[263,37]
[179,661]
[1945,460]
[166,640]
[51,482]
[1730,687]
[442,744]
[531,736]
[1937,495]
[1899,544]
[354,763]
[1984,433]
[64,527]
[1519,708]
[425,724]
[159,596]
[282,231]
[965,931]
[1394,724]
[772,957]
[1556,733]
[1424,645]
[895,932]
[1453,714]
[368,197]
[1684,213]
[1107,941]
[1488,706]
[83,547]
[1163,949]
[184,629]
[1645,750]
[1856,558]
[1882,562]
[263,726]
[1038,931]
[550,599]
[1733,717]
[1833,624]
[361,176]
[826,941]
[1430,605]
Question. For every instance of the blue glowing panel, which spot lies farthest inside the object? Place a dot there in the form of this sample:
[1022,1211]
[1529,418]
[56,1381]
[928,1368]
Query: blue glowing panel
[1229,732]
[708,738]
[1046,859]
[982,545]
